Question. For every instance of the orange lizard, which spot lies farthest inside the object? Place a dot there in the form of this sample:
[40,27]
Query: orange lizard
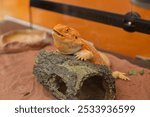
[68,41]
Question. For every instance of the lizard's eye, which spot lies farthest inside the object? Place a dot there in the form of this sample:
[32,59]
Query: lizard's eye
[67,30]
[76,37]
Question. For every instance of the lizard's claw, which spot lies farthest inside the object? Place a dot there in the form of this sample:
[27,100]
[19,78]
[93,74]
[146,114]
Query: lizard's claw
[120,75]
[84,55]
[57,51]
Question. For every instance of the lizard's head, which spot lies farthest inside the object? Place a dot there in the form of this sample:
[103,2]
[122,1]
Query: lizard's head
[66,39]
[64,31]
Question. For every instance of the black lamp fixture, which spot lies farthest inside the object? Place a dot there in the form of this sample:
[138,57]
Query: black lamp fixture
[131,21]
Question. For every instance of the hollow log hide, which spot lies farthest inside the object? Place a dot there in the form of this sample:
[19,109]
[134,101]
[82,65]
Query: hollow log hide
[68,78]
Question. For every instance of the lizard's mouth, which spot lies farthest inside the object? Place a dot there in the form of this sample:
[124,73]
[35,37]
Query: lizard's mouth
[58,33]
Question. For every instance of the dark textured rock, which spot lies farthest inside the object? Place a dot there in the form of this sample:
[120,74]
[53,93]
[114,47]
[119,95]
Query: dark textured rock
[68,78]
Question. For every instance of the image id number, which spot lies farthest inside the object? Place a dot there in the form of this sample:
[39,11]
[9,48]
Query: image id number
[106,109]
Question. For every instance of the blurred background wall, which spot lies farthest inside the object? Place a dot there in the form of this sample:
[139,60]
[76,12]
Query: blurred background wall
[103,36]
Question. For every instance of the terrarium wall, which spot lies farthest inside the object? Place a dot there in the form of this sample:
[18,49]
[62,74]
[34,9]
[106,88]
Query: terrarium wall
[103,36]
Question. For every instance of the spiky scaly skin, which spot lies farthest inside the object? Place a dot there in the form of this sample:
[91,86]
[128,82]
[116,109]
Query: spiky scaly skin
[68,41]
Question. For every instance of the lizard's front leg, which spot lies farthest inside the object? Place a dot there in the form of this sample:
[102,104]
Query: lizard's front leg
[120,75]
[84,55]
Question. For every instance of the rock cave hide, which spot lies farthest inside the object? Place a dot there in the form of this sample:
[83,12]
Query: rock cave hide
[68,78]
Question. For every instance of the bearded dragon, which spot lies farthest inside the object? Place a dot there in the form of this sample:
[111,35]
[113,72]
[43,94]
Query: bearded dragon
[68,41]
